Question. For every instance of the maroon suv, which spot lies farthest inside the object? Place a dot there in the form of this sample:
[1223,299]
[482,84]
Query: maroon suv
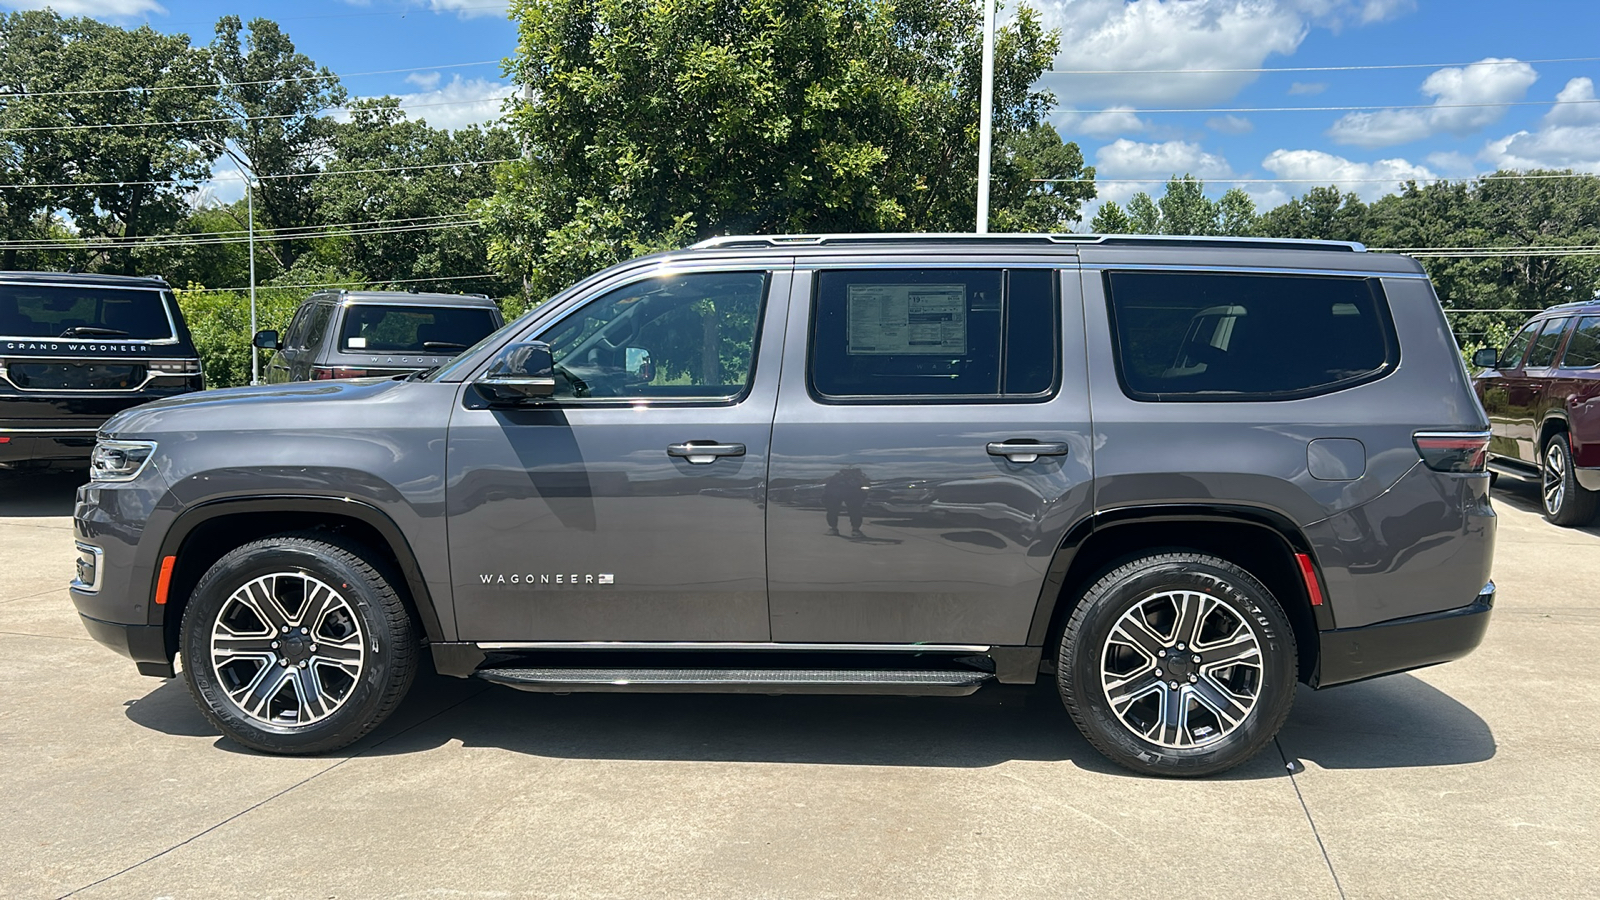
[1543,399]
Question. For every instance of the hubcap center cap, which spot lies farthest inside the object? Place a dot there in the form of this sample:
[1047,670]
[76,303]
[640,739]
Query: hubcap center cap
[296,648]
[1178,664]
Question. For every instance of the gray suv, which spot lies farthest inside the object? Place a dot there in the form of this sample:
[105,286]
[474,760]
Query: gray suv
[1175,476]
[357,334]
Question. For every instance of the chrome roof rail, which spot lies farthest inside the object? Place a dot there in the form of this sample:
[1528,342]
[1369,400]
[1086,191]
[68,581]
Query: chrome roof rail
[818,240]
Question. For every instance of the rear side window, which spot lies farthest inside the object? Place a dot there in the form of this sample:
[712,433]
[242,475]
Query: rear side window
[414,329]
[1199,336]
[952,334]
[1583,349]
[317,324]
[67,311]
[1544,346]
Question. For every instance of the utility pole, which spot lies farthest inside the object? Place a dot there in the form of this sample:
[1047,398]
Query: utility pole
[986,117]
[250,225]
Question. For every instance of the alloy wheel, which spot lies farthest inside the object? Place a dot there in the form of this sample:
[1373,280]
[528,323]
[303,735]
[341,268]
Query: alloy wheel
[1181,669]
[1555,477]
[287,649]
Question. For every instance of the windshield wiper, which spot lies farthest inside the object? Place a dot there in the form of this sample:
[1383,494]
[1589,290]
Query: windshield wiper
[76,330]
[442,345]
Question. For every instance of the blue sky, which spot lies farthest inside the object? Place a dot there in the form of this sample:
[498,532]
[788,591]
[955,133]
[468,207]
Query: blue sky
[1463,130]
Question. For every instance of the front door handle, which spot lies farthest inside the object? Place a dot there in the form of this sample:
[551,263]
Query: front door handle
[703,453]
[1026,451]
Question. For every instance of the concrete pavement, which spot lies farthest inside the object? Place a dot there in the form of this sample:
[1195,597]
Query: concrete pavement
[1465,779]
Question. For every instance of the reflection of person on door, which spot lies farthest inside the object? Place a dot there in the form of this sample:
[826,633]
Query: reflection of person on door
[847,490]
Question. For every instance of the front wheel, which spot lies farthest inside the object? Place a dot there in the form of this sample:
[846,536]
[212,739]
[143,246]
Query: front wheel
[296,644]
[1566,502]
[1178,664]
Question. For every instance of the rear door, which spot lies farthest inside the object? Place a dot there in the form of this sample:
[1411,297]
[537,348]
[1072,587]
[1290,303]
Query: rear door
[1527,391]
[930,449]
[631,507]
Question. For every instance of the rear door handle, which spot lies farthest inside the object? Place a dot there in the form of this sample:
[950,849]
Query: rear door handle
[1026,451]
[703,453]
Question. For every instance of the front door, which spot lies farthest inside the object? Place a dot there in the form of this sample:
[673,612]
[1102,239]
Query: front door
[930,450]
[629,508]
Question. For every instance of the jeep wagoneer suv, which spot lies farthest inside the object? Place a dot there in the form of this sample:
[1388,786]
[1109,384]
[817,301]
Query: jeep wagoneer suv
[1175,476]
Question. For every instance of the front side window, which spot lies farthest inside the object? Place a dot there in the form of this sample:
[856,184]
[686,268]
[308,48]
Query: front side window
[1583,349]
[952,334]
[413,329]
[1199,336]
[676,337]
[69,311]
[1543,352]
[1518,346]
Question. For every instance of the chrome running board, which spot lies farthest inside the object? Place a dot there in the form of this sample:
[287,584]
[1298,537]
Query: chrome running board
[943,683]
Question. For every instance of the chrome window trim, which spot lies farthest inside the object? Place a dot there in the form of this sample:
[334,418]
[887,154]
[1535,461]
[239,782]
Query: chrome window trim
[1246,270]
[727,645]
[99,569]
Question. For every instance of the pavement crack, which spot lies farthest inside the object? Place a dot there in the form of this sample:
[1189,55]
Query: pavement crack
[49,637]
[263,802]
[1289,767]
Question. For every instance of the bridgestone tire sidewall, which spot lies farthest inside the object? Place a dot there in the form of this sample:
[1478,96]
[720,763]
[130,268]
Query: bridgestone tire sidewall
[1119,591]
[374,601]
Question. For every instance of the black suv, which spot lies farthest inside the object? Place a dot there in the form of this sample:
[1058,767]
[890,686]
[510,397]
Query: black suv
[77,349]
[1176,477]
[356,334]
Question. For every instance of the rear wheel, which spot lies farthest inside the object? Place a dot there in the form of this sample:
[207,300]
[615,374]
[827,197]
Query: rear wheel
[295,644]
[1178,664]
[1565,501]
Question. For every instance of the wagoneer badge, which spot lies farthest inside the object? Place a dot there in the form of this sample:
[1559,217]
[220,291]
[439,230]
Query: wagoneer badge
[544,579]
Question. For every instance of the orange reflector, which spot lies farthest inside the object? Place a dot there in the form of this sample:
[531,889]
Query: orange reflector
[165,581]
[1307,571]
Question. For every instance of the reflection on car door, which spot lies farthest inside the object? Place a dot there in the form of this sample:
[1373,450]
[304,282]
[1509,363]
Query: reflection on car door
[1526,394]
[630,508]
[904,505]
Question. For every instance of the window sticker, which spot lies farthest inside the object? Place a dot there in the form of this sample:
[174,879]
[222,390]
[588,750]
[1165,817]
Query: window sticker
[357,343]
[901,319]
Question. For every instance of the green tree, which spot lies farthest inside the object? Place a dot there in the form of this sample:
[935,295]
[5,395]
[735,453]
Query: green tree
[30,42]
[1236,214]
[1020,196]
[1323,213]
[1144,215]
[655,123]
[1110,219]
[1185,208]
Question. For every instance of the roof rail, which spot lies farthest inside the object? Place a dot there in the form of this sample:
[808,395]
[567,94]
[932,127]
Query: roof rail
[1112,240]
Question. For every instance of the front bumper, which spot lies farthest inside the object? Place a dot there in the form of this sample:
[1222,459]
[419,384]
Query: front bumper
[146,645]
[1384,648]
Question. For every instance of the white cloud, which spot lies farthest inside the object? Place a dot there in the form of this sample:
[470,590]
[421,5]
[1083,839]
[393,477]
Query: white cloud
[468,9]
[1230,124]
[1111,123]
[1313,168]
[1303,87]
[1452,164]
[98,9]
[1455,91]
[425,80]
[456,103]
[1135,166]
[1575,105]
[1114,35]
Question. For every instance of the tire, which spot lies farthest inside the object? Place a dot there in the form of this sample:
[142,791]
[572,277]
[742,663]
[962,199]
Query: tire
[1127,627]
[288,677]
[1565,501]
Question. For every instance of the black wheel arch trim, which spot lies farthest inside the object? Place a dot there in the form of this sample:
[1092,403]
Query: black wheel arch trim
[1349,655]
[191,518]
[1061,563]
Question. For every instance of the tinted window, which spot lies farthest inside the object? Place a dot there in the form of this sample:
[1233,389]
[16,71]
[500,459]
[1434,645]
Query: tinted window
[413,329]
[953,333]
[294,336]
[317,324]
[48,311]
[1205,336]
[1583,349]
[1544,346]
[1519,344]
[683,336]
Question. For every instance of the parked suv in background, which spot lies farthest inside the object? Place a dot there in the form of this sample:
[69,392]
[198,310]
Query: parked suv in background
[1177,476]
[356,334]
[1543,399]
[77,349]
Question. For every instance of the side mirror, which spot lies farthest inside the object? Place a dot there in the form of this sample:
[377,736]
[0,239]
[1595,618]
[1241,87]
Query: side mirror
[266,340]
[1486,358]
[521,373]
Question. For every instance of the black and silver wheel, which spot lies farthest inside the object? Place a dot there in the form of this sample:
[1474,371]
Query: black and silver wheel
[296,645]
[1565,501]
[1178,664]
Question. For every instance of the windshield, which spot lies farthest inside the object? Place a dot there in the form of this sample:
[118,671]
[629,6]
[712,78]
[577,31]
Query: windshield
[413,329]
[68,311]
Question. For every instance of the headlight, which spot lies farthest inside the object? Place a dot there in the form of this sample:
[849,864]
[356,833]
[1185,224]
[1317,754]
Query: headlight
[119,460]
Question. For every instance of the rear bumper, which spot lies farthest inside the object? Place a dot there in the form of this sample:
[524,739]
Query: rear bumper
[146,645]
[1588,479]
[1383,648]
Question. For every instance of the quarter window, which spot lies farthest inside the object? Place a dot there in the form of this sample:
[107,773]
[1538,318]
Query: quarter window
[677,337]
[1544,346]
[1583,349]
[1198,336]
[954,334]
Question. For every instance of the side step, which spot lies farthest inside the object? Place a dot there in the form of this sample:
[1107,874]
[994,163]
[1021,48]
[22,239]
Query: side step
[952,683]
[1511,470]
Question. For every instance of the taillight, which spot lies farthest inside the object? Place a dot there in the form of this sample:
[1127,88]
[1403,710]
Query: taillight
[1453,451]
[323,373]
[175,366]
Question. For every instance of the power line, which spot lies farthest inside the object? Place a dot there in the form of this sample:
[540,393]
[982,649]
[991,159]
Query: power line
[96,126]
[1497,62]
[243,232]
[1315,180]
[1277,109]
[241,177]
[205,240]
[235,290]
[212,85]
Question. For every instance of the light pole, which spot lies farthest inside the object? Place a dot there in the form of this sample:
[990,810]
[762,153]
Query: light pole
[986,117]
[250,225]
